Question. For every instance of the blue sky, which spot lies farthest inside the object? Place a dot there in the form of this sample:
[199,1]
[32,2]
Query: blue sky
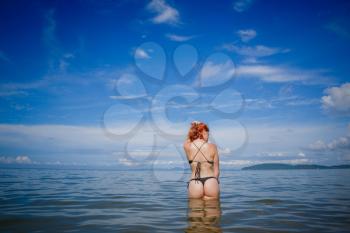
[116,83]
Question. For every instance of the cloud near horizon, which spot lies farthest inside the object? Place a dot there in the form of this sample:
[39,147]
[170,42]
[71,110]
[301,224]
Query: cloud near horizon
[337,100]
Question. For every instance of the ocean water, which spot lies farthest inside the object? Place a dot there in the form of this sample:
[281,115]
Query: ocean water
[54,200]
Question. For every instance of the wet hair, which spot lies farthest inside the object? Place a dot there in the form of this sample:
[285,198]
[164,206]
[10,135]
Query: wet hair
[196,130]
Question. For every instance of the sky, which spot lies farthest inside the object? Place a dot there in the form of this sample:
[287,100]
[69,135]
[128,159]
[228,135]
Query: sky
[117,83]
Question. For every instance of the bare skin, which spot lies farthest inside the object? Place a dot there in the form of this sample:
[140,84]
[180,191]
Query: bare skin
[211,189]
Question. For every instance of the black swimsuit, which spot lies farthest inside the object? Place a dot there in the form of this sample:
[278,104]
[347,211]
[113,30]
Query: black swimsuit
[198,168]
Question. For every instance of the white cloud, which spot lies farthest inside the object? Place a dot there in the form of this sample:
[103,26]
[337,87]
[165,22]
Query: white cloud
[224,151]
[59,60]
[245,163]
[21,159]
[127,162]
[54,137]
[318,145]
[280,74]
[279,101]
[336,149]
[252,67]
[164,12]
[142,54]
[122,97]
[216,72]
[288,140]
[272,154]
[341,143]
[246,35]
[253,51]
[303,102]
[337,99]
[68,139]
[56,141]
[242,5]
[55,82]
[290,161]
[237,162]
[258,103]
[178,38]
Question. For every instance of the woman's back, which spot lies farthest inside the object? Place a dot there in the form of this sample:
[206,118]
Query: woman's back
[201,152]
[203,158]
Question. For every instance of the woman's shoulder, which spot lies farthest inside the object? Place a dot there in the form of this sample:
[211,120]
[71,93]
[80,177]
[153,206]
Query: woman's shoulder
[187,143]
[212,145]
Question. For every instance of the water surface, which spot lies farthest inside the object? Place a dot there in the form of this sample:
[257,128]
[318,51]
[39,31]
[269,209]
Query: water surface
[52,200]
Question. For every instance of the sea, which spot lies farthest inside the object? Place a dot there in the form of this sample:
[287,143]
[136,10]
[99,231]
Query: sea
[100,200]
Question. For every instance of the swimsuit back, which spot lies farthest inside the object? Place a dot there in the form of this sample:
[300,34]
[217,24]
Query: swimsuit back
[199,150]
[198,167]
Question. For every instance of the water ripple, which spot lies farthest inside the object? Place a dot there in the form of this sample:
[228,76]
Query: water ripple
[123,201]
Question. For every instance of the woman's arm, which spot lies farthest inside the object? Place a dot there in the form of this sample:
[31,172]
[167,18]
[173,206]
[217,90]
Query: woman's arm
[216,162]
[186,146]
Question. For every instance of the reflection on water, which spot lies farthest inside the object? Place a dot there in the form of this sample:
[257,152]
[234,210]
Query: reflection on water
[203,216]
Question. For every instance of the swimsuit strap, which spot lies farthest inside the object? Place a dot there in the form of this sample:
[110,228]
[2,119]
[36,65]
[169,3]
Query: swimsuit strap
[198,166]
[199,150]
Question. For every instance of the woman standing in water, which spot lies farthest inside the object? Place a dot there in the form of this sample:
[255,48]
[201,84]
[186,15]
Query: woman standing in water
[204,161]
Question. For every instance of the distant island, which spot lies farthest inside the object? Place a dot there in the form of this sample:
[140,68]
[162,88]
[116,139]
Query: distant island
[278,166]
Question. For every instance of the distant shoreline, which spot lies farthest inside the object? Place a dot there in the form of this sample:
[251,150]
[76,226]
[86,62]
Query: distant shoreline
[282,166]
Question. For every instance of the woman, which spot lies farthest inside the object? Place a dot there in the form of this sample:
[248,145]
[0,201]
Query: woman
[204,161]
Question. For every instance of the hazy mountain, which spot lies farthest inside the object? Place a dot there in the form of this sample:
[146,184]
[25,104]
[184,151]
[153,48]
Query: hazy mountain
[272,166]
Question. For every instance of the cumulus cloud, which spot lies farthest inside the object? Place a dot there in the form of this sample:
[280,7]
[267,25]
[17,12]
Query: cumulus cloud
[336,149]
[246,35]
[337,99]
[341,143]
[164,12]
